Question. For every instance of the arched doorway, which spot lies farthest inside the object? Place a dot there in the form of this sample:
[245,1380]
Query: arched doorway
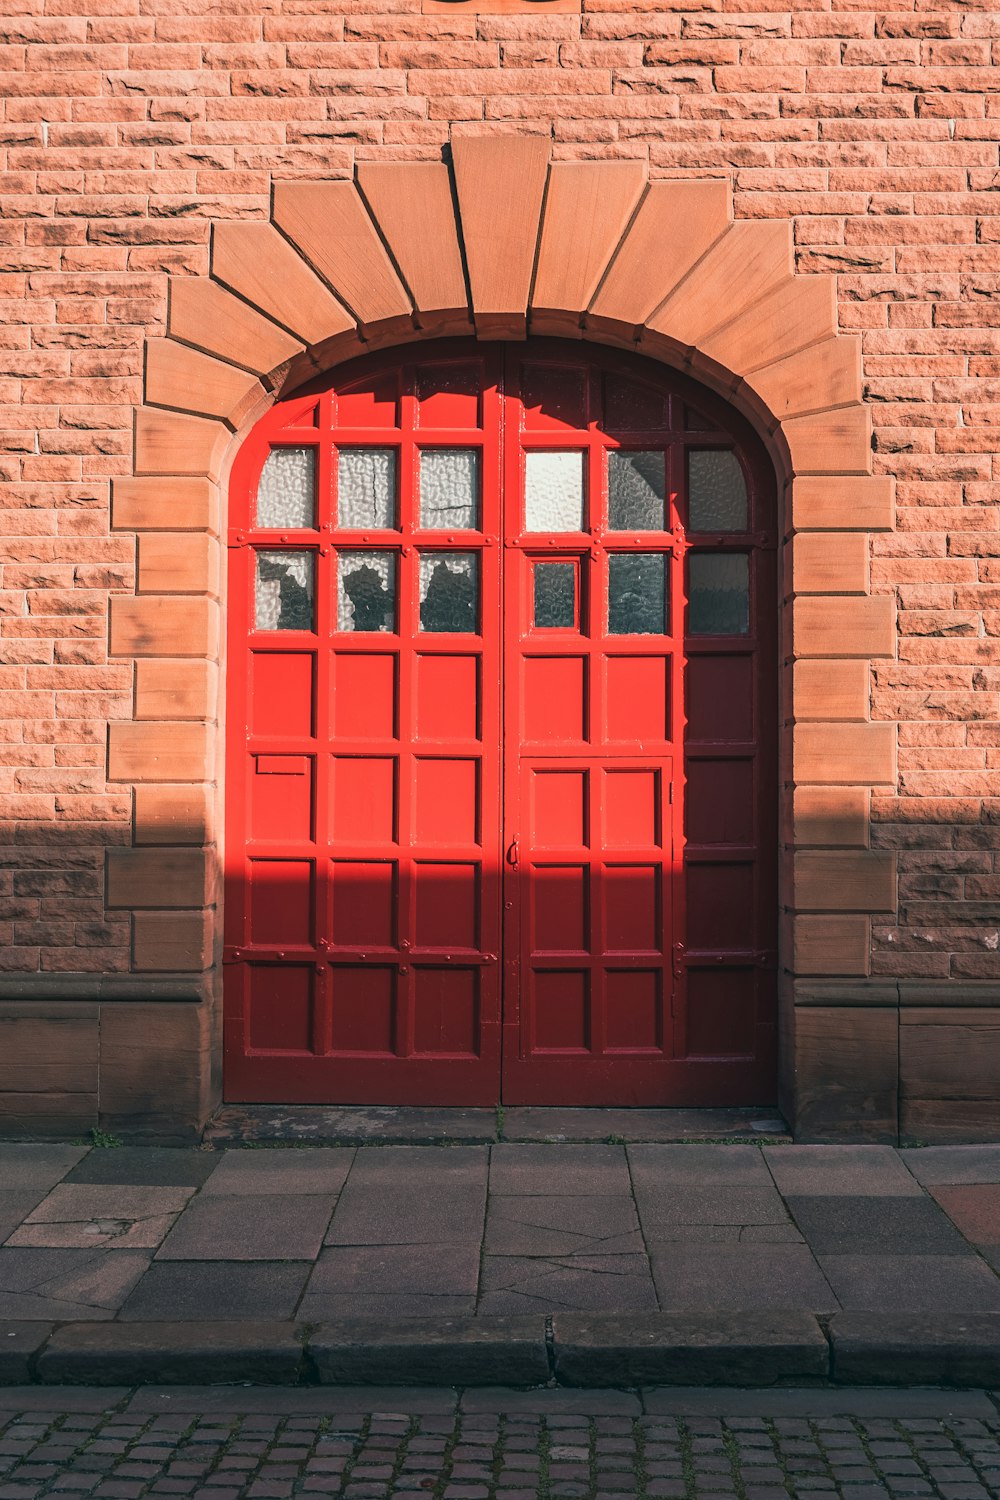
[502,763]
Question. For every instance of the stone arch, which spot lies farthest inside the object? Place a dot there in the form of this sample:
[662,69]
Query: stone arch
[502,243]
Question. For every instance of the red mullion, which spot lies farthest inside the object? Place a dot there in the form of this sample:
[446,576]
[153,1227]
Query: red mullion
[325,619]
[674,909]
[408,604]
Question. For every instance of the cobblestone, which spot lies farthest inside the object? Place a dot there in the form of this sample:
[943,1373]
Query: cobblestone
[471,1457]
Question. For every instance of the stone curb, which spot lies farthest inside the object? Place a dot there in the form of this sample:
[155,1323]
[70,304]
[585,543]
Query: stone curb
[875,1348]
[753,1348]
[711,1348]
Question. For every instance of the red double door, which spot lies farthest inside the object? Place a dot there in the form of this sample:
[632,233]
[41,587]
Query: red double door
[501,806]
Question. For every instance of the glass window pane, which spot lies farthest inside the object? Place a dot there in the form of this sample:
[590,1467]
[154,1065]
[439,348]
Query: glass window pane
[367,488]
[449,488]
[637,593]
[287,488]
[366,591]
[718,593]
[449,591]
[636,489]
[555,595]
[284,593]
[553,491]
[717,492]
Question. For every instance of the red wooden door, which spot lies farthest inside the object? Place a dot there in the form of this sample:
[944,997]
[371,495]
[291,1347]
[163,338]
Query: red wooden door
[457,645]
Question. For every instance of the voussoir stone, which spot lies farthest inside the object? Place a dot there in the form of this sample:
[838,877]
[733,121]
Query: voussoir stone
[916,1348]
[424,1351]
[708,1347]
[261,1353]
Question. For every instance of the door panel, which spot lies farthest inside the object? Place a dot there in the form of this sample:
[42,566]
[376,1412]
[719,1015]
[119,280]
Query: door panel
[364,800]
[502,638]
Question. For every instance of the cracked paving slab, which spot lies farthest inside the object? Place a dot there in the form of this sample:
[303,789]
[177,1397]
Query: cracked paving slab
[63,1284]
[535,1226]
[579,1283]
[84,1216]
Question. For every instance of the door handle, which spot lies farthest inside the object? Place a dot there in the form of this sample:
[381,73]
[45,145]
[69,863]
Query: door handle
[513,854]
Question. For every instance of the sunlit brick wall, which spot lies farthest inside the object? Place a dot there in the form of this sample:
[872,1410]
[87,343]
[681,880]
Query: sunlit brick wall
[129,126]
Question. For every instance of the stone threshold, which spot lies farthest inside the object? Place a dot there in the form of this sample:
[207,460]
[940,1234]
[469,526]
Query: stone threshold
[364,1125]
[764,1348]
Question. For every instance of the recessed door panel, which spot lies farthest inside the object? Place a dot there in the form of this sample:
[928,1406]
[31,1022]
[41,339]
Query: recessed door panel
[501,771]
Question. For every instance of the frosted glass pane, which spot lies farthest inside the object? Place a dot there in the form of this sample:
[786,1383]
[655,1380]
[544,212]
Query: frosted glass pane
[718,593]
[637,593]
[284,592]
[555,595]
[636,487]
[717,492]
[367,487]
[449,591]
[286,490]
[449,488]
[553,491]
[366,591]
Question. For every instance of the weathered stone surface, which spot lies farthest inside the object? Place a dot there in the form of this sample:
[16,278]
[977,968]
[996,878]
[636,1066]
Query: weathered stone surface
[451,1351]
[924,1348]
[171,1354]
[19,1342]
[697,1348]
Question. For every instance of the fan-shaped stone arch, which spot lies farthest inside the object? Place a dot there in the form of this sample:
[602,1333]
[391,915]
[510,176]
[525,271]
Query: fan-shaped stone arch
[502,243]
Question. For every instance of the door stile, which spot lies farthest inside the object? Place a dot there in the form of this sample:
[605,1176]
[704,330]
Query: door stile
[512,606]
[325,606]
[408,605]
[674,895]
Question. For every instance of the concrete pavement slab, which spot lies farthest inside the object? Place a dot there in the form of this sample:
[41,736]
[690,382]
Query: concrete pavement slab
[523,1170]
[27,1164]
[709,1203]
[322,1170]
[553,1403]
[411,1213]
[836,1225]
[214,1291]
[87,1216]
[841,1170]
[15,1206]
[53,1285]
[263,1226]
[953,1164]
[145,1166]
[974,1208]
[731,1277]
[534,1225]
[513,1284]
[906,1283]
[818,1405]
[696,1165]
[356,1281]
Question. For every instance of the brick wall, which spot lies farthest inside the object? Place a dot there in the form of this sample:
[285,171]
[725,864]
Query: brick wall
[128,130]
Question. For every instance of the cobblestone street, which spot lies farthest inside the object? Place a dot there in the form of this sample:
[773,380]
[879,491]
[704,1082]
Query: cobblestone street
[516,1446]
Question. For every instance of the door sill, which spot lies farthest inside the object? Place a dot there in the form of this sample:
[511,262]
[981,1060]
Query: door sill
[389,1125]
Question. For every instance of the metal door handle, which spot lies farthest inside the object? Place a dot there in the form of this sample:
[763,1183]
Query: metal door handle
[513,854]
